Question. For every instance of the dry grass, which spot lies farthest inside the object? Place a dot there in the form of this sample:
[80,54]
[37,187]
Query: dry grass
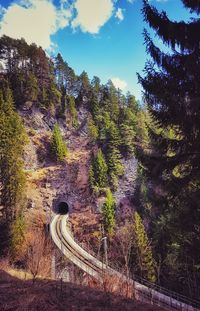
[19,295]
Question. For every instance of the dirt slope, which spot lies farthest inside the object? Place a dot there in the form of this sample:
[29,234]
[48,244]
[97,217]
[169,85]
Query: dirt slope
[18,295]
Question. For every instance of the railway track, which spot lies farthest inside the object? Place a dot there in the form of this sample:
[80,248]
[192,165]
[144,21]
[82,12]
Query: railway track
[74,251]
[144,290]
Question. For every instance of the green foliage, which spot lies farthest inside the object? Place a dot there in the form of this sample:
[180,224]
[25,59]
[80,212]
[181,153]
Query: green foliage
[128,138]
[92,180]
[103,120]
[96,84]
[72,111]
[92,129]
[12,139]
[58,146]
[31,88]
[65,77]
[18,236]
[142,249]
[143,121]
[98,171]
[85,81]
[109,212]
[115,165]
[172,161]
[29,71]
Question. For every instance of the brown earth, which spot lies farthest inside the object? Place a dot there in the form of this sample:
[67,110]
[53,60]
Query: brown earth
[21,295]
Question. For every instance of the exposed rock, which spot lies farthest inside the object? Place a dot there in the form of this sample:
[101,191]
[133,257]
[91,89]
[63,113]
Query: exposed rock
[127,183]
[48,181]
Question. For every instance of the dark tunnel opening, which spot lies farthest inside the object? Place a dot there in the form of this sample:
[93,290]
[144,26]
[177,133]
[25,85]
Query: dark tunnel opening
[63,208]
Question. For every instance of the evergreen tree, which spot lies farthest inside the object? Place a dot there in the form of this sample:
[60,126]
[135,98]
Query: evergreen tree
[111,100]
[142,250]
[115,167]
[92,129]
[128,126]
[60,71]
[96,84]
[103,121]
[72,111]
[132,104]
[85,82]
[12,140]
[31,88]
[128,136]
[85,89]
[58,146]
[109,212]
[98,172]
[172,93]
[29,71]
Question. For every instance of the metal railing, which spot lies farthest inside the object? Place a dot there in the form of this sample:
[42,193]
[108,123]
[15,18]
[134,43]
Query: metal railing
[157,295]
[176,301]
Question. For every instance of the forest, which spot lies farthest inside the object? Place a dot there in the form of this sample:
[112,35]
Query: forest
[162,133]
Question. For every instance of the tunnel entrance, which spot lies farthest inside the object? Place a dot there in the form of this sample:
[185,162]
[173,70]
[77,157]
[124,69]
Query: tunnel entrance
[63,208]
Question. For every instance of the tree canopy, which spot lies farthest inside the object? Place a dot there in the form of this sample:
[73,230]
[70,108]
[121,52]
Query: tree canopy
[171,91]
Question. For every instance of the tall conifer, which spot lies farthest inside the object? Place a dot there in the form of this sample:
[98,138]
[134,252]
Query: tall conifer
[142,249]
[172,93]
[12,140]
[58,146]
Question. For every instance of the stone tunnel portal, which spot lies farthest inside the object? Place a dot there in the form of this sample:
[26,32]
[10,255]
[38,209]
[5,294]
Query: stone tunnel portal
[63,208]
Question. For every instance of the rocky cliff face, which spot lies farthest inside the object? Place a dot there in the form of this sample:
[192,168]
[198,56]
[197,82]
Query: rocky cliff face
[50,182]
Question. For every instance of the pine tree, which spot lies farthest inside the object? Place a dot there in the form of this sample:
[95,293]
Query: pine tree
[111,100]
[60,70]
[85,81]
[72,111]
[96,84]
[109,212]
[142,249]
[115,167]
[98,171]
[92,129]
[58,146]
[31,88]
[172,93]
[128,126]
[12,140]
[103,121]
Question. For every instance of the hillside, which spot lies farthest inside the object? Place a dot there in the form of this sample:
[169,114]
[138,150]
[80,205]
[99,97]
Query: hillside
[72,145]
[48,182]
[19,295]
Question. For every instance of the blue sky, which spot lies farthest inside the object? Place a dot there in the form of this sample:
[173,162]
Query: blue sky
[102,37]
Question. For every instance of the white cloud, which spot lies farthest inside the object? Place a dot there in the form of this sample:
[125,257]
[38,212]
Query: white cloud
[92,14]
[119,14]
[34,20]
[118,83]
[37,20]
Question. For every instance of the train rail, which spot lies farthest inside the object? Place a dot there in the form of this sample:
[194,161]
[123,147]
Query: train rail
[144,290]
[71,249]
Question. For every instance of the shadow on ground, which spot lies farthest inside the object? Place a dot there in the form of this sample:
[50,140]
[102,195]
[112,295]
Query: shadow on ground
[21,295]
